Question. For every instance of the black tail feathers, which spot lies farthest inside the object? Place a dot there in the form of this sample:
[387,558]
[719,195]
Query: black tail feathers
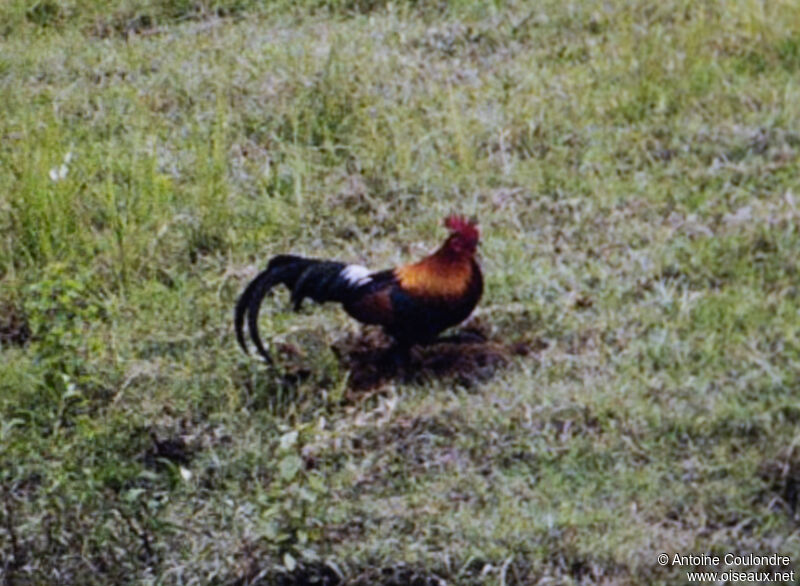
[318,279]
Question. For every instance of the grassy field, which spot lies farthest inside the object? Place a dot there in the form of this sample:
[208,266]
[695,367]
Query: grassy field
[635,168]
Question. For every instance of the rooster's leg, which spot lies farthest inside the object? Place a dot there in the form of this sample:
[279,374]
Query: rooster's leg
[401,356]
[397,359]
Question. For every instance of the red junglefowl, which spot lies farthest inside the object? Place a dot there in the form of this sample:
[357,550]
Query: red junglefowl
[413,303]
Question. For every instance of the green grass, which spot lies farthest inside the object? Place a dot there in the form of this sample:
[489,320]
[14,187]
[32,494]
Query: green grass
[636,171]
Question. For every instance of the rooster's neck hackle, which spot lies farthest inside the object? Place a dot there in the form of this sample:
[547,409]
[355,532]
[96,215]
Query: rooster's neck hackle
[448,271]
[436,276]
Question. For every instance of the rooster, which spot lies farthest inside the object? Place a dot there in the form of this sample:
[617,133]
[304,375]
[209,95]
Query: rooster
[414,303]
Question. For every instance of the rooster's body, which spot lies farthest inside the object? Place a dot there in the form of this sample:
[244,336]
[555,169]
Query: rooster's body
[413,303]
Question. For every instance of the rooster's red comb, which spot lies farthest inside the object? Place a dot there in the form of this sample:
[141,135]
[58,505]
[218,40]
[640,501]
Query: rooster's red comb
[468,228]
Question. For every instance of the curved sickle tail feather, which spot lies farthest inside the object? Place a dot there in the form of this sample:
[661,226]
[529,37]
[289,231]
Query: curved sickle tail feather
[281,269]
[320,280]
[249,305]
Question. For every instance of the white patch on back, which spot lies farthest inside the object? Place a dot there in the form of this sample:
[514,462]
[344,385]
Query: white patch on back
[356,275]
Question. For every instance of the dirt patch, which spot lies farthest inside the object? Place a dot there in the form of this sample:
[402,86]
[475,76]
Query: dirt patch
[467,357]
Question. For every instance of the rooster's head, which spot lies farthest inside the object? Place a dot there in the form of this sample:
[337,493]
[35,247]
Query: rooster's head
[464,235]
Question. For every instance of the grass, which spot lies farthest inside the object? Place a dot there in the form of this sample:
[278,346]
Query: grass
[635,170]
